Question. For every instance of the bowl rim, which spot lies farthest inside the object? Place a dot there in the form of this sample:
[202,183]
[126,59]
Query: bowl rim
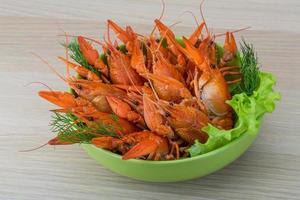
[168,162]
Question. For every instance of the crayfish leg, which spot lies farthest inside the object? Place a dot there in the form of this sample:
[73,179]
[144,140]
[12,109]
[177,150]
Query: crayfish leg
[141,149]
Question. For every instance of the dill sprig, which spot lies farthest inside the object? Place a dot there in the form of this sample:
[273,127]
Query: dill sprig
[71,129]
[114,117]
[77,55]
[249,69]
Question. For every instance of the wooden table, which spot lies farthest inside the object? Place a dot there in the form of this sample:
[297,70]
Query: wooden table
[268,170]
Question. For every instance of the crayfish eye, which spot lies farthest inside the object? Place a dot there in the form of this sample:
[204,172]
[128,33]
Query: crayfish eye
[79,87]
[167,114]
[197,43]
[171,103]
[90,118]
[214,66]
[127,145]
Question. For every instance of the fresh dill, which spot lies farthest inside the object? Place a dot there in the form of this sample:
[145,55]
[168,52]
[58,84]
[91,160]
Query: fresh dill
[122,48]
[70,129]
[114,117]
[77,55]
[249,69]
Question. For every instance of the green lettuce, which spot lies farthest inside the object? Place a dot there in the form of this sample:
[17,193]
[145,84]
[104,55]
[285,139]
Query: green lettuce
[249,111]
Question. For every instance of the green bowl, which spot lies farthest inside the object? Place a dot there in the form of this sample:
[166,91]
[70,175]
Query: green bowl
[174,170]
[244,133]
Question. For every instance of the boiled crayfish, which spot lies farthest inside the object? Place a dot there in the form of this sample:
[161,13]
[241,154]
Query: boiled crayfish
[163,95]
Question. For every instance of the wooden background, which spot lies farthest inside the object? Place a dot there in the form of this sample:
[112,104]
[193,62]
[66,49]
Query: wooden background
[268,170]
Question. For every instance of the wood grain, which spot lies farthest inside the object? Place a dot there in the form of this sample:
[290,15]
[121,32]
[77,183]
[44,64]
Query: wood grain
[268,170]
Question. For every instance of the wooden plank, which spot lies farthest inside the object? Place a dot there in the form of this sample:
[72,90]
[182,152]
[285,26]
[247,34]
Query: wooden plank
[269,170]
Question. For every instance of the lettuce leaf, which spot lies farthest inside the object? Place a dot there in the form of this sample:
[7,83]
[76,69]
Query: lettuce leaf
[249,111]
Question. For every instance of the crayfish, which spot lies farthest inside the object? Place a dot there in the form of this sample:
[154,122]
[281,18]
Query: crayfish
[163,92]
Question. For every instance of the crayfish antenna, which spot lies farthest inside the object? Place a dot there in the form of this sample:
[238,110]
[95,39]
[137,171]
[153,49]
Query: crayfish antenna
[202,15]
[85,37]
[161,15]
[193,15]
[36,148]
[175,23]
[53,141]
[66,49]
[67,54]
[234,31]
[50,67]
[38,82]
[163,9]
